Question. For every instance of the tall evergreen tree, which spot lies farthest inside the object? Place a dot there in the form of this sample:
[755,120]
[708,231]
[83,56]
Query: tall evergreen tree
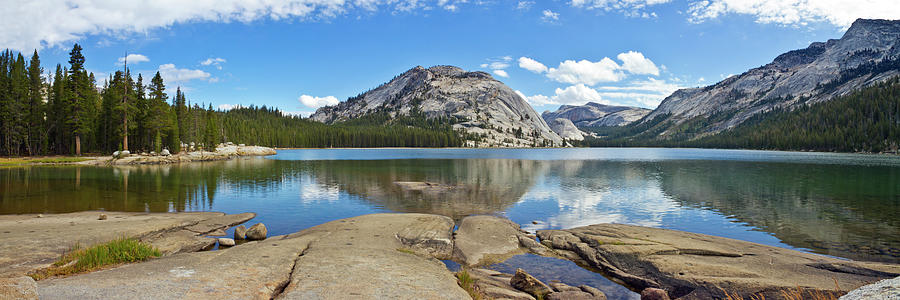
[36,133]
[78,100]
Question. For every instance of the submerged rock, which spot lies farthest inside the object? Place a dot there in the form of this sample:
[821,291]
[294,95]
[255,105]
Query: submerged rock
[257,232]
[527,283]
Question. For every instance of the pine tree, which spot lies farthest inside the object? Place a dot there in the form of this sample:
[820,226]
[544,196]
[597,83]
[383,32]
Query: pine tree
[36,132]
[158,118]
[78,98]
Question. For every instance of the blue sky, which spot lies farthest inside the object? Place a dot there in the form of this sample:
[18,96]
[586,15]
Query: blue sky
[301,54]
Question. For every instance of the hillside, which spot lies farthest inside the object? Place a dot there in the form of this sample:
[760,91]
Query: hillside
[867,120]
[868,53]
[483,110]
[595,114]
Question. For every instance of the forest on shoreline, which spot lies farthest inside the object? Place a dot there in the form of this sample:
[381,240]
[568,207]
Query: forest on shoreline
[70,113]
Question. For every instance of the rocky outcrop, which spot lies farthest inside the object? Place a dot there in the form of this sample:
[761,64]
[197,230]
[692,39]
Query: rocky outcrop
[527,283]
[566,129]
[223,152]
[696,266]
[484,240]
[595,114]
[31,243]
[355,258]
[885,289]
[474,102]
[868,53]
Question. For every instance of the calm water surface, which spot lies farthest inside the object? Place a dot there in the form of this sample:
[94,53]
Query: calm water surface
[842,205]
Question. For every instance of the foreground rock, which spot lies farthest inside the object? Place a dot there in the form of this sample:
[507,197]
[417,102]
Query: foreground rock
[257,232]
[222,152]
[22,287]
[527,283]
[696,266]
[483,240]
[885,289]
[31,242]
[381,256]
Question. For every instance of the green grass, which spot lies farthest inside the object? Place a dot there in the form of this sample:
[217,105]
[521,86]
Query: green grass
[468,283]
[118,251]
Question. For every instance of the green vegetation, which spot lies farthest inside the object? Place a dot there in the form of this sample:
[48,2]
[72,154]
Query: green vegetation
[118,251]
[80,116]
[867,120]
[468,283]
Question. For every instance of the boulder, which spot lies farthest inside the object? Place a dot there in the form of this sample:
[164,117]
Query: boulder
[571,295]
[885,289]
[226,242]
[495,285]
[482,240]
[527,283]
[562,287]
[654,294]
[116,154]
[102,217]
[22,287]
[257,232]
[240,232]
[165,152]
[124,153]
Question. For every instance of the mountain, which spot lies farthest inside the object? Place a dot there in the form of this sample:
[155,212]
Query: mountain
[867,54]
[595,114]
[565,129]
[485,111]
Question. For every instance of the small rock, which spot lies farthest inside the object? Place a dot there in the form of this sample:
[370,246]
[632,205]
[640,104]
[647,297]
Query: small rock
[152,153]
[654,294]
[257,232]
[102,217]
[562,287]
[571,295]
[534,222]
[226,242]
[116,154]
[527,283]
[39,216]
[241,145]
[593,291]
[240,232]
[165,152]
[124,153]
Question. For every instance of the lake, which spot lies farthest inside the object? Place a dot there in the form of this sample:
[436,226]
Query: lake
[841,205]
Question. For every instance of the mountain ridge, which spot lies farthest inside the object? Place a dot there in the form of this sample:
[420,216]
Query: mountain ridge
[486,111]
[867,53]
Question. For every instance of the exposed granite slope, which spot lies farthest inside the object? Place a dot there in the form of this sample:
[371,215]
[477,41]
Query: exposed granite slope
[698,266]
[480,104]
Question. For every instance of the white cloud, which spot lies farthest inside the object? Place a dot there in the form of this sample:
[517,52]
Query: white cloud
[170,73]
[48,23]
[217,62]
[630,8]
[636,63]
[501,73]
[524,5]
[229,106]
[573,95]
[316,102]
[133,59]
[591,73]
[549,16]
[796,12]
[586,72]
[646,93]
[531,65]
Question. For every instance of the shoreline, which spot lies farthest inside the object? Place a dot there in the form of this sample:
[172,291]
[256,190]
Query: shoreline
[414,242]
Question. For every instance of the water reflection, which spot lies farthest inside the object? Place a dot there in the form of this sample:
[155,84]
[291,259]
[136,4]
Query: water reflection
[841,210]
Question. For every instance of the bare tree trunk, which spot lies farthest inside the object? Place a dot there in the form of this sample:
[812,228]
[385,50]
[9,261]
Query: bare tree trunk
[78,144]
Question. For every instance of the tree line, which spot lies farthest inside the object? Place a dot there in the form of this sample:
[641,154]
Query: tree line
[68,112]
